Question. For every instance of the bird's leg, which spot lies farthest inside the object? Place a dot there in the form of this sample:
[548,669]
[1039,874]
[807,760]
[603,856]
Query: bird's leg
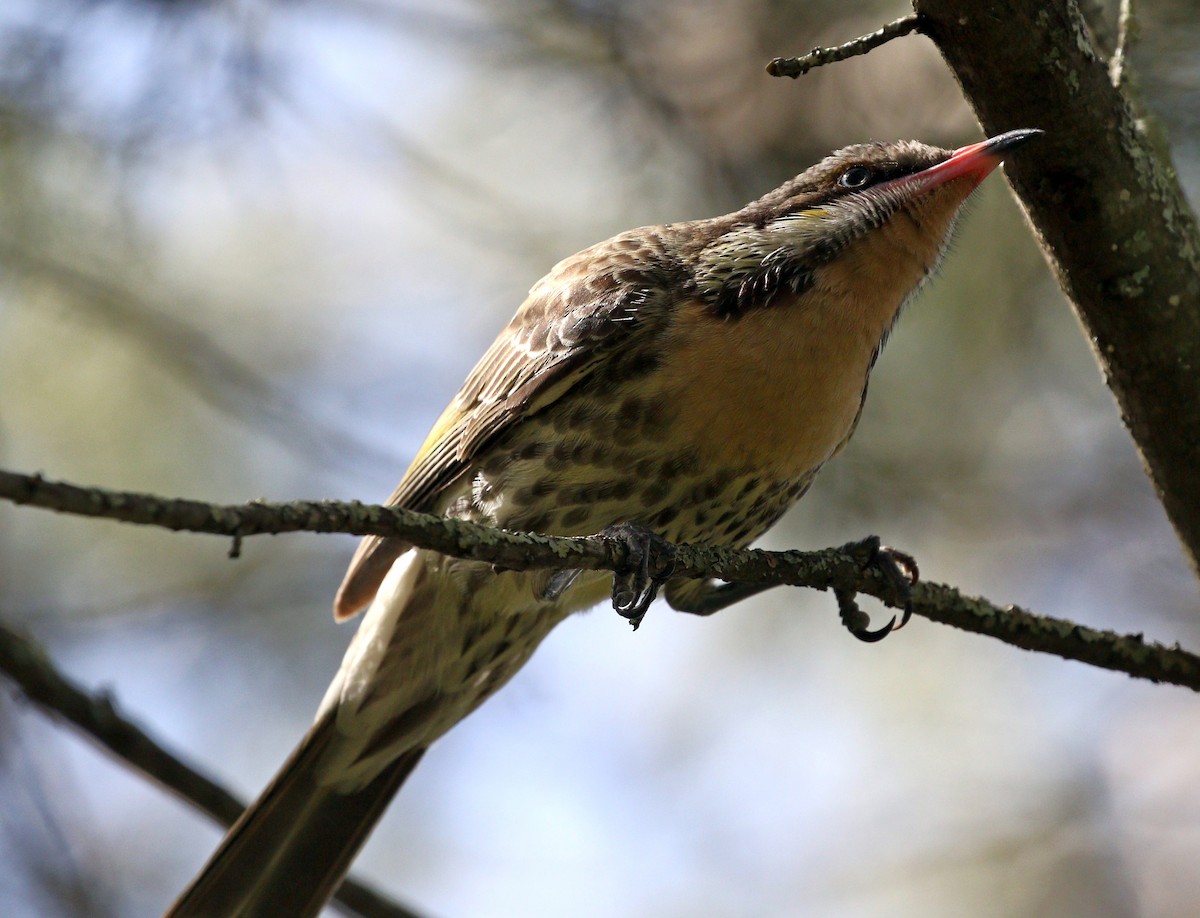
[649,563]
[898,568]
[558,583]
[709,596]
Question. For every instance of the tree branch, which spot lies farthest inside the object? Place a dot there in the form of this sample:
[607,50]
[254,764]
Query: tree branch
[1107,204]
[96,715]
[798,66]
[844,568]
[1110,212]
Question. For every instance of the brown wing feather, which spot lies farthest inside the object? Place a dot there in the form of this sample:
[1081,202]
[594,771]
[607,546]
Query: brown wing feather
[567,324]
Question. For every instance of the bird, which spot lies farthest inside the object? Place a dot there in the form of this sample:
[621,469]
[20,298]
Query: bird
[690,380]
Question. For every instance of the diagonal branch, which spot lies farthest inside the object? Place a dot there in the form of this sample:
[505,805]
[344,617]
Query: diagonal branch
[28,665]
[1111,214]
[843,568]
[1104,199]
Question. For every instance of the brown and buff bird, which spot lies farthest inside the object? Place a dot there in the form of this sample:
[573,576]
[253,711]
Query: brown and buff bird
[691,379]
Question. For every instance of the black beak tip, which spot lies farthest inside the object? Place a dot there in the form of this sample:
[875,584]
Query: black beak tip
[1010,140]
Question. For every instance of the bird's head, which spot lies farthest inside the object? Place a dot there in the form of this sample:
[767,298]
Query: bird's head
[875,207]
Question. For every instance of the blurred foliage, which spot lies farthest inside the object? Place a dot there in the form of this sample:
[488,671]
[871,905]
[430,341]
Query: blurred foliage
[250,248]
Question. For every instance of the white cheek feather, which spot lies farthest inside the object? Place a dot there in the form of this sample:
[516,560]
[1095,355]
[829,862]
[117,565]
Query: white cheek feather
[796,232]
[487,496]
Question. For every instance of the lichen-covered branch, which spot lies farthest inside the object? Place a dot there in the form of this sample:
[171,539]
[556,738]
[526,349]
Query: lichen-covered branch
[96,715]
[844,568]
[1112,217]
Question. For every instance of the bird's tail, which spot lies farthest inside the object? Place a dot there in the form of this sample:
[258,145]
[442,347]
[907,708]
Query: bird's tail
[289,851]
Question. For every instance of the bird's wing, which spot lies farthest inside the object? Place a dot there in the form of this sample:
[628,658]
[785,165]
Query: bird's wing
[569,323]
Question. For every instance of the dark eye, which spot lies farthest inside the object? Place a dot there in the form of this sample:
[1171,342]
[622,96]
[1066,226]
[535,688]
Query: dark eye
[855,177]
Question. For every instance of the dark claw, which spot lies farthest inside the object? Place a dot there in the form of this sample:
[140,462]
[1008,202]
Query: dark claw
[900,570]
[857,621]
[649,563]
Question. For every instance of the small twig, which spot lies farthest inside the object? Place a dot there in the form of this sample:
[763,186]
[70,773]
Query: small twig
[1126,35]
[798,66]
[28,665]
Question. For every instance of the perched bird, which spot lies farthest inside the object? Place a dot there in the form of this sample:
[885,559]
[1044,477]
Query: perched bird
[692,379]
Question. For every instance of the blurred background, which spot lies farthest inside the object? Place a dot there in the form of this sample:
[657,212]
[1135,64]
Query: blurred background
[250,249]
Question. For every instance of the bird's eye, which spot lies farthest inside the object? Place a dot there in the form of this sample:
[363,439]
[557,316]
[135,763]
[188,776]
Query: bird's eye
[855,177]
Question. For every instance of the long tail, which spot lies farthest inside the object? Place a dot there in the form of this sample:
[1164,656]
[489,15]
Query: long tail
[289,851]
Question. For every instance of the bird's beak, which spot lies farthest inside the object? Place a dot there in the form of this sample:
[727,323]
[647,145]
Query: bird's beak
[976,160]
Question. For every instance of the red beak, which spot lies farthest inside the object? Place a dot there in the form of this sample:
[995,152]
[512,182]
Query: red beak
[976,160]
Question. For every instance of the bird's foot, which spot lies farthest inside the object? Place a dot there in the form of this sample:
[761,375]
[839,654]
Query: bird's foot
[898,568]
[649,563]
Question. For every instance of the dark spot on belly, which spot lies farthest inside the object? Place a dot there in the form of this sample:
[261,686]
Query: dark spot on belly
[665,516]
[539,522]
[607,490]
[706,492]
[654,492]
[750,487]
[533,450]
[629,412]
[559,456]
[654,418]
[576,494]
[576,517]
[623,489]
[495,464]
[598,452]
[643,468]
[685,463]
